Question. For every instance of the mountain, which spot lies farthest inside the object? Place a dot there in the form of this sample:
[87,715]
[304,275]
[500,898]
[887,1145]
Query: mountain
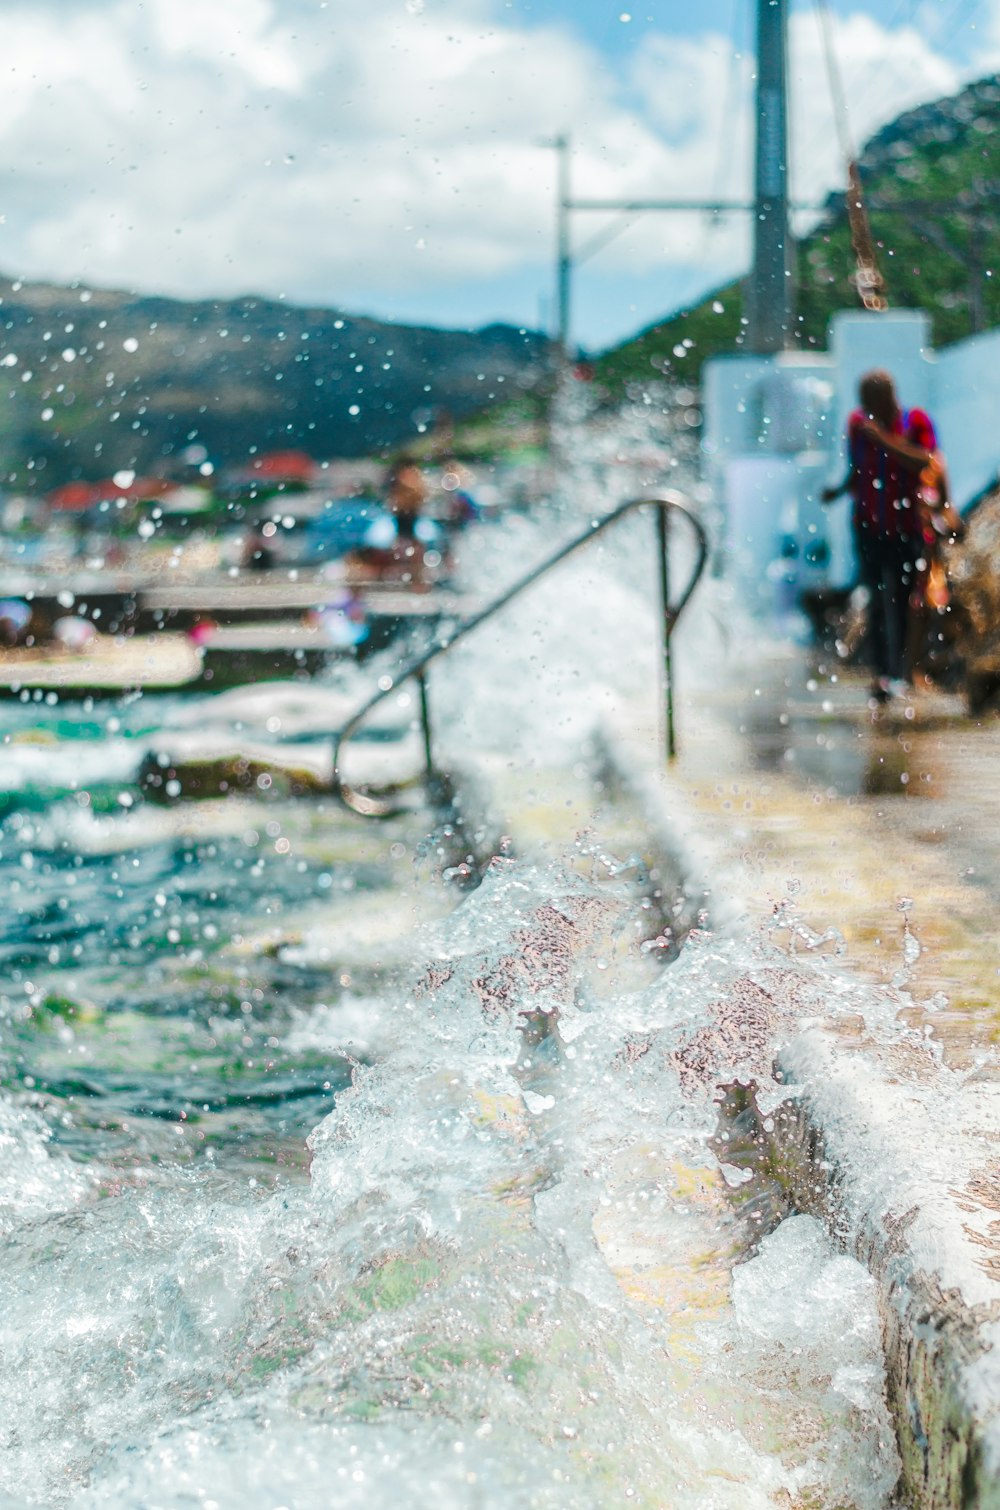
[101,381]
[932,181]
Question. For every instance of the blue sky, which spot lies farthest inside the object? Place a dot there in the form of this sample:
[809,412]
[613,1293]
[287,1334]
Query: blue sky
[953,25]
[385,157]
[611,301]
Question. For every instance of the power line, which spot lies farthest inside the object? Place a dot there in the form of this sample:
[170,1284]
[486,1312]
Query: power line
[868,278]
[837,97]
[862,82]
[736,55]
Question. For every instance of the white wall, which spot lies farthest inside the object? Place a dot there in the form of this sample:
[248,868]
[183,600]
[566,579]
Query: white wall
[898,340]
[958,386]
[728,386]
[966,409]
[774,436]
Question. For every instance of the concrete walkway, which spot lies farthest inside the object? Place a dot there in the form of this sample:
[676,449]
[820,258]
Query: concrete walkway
[881,825]
[871,835]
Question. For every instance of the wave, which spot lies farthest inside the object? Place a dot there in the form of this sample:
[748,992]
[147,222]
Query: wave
[510,1277]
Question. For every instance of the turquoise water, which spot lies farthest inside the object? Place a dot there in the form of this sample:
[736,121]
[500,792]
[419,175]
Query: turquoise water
[145,1010]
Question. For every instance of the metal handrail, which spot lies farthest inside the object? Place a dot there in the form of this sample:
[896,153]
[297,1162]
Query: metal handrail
[371,806]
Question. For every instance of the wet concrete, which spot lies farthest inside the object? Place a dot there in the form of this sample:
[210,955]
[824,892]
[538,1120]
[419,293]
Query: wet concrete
[869,833]
[877,825]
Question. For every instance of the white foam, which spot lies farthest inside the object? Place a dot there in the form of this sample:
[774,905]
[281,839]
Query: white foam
[139,825]
[508,1281]
[35,1180]
[70,766]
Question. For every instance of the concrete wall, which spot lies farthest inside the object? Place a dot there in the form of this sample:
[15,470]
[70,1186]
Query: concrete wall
[966,409]
[774,436]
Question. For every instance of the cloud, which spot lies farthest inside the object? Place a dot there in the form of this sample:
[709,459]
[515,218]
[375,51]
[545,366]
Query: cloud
[320,149]
[250,144]
[701,98]
[883,73]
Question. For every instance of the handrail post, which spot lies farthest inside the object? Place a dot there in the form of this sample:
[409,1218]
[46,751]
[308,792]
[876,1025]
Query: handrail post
[425,722]
[373,805]
[663,542]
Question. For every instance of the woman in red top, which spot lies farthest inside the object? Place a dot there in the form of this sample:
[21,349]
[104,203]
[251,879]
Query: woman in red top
[888,449]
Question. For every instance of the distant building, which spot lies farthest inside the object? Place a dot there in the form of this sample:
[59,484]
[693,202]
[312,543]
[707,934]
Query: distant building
[275,471]
[74,497]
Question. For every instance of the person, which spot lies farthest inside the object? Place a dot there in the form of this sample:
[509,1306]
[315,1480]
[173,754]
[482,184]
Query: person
[258,552]
[888,450]
[405,496]
[15,621]
[401,557]
[462,508]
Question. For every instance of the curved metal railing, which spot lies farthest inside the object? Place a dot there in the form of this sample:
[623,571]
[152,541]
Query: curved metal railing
[376,805]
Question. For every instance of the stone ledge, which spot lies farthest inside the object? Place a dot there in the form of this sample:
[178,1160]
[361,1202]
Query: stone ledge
[917,1203]
[693,859]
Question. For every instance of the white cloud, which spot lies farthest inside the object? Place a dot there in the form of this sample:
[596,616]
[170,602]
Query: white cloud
[252,145]
[702,100]
[241,34]
[883,73]
[321,149]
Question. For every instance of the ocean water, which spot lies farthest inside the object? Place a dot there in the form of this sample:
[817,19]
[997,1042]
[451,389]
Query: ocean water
[327,1180]
[505,1269]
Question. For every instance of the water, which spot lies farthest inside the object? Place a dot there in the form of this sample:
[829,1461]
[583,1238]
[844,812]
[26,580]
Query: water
[505,1281]
[328,1182]
[147,1008]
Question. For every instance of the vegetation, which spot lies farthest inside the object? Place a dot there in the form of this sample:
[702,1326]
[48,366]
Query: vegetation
[100,381]
[932,180]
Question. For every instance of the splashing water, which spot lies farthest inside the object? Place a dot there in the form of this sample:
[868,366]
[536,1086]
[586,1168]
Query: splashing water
[507,1278]
[301,1206]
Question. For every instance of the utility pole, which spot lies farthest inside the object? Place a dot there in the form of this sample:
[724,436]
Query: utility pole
[564,251]
[770,295]
[770,305]
[564,254]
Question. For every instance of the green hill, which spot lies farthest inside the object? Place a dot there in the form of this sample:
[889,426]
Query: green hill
[99,380]
[932,179]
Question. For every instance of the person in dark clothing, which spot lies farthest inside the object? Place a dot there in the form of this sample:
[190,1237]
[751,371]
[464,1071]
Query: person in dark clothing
[888,448]
[258,553]
[406,494]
